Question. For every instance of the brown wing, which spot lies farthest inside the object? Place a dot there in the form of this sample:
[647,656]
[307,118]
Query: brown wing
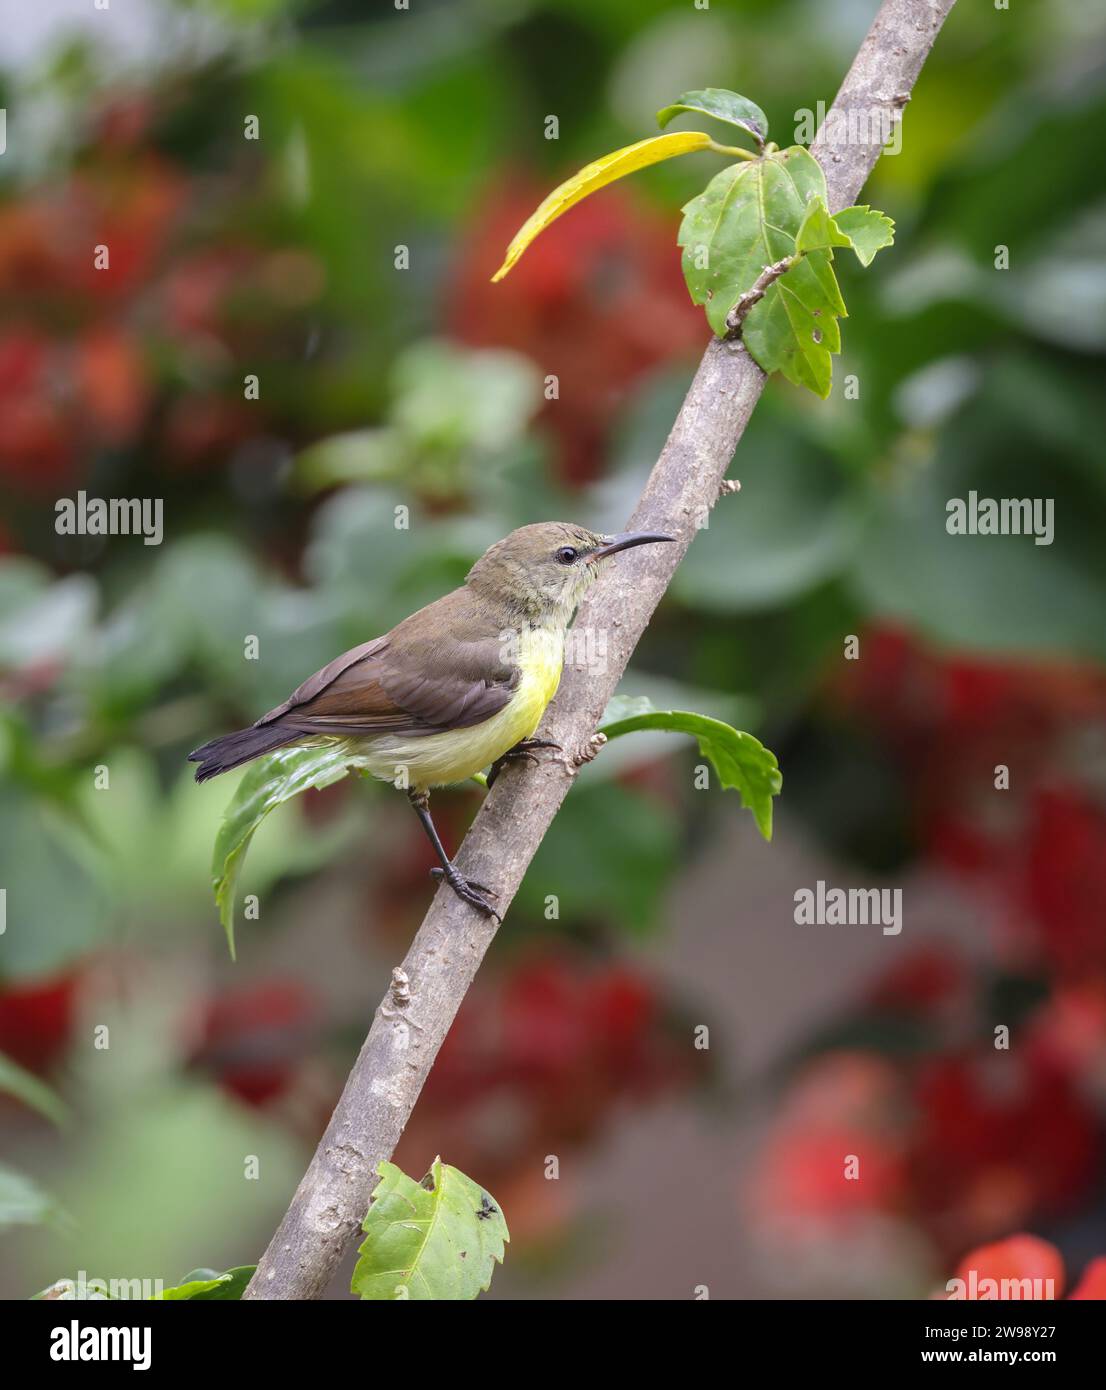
[434,671]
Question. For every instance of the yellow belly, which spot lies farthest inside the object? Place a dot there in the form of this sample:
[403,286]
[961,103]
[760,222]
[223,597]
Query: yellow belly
[457,755]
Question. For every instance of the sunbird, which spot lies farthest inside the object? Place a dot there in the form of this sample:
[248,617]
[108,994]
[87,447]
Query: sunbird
[457,687]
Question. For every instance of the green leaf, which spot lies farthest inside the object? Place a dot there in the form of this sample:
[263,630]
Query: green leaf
[438,1239]
[867,231]
[818,231]
[723,106]
[51,875]
[771,215]
[861,228]
[596,175]
[740,760]
[25,1086]
[205,1285]
[794,329]
[745,219]
[266,784]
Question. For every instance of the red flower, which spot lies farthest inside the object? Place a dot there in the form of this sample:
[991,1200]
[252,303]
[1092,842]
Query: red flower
[998,1139]
[1036,847]
[838,1147]
[254,1038]
[1002,1269]
[925,981]
[111,388]
[36,447]
[1064,882]
[36,1020]
[1020,1266]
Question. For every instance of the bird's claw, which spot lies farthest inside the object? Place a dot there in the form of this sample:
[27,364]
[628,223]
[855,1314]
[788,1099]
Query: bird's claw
[476,894]
[523,749]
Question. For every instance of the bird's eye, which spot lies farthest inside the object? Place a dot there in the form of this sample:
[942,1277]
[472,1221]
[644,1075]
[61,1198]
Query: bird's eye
[567,555]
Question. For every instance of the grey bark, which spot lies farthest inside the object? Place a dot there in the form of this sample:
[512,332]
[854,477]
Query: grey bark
[427,990]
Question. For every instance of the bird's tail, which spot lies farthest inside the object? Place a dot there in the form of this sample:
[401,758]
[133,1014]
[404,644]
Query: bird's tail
[232,750]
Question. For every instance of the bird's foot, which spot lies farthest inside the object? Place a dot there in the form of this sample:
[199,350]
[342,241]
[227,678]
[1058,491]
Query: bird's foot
[524,749]
[474,893]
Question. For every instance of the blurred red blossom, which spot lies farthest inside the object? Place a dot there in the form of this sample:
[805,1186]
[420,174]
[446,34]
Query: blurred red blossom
[36,1020]
[36,444]
[1002,1269]
[929,980]
[962,1143]
[1036,849]
[255,1037]
[1000,1137]
[1009,1263]
[837,1146]
[121,298]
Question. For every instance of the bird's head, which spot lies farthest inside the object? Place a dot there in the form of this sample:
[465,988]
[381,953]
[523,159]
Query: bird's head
[544,570]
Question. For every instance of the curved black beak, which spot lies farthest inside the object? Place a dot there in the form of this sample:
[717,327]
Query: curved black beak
[624,540]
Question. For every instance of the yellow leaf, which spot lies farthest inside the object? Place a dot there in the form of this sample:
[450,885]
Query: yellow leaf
[597,175]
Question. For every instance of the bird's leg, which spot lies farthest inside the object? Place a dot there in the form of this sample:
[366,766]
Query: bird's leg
[473,893]
[524,748]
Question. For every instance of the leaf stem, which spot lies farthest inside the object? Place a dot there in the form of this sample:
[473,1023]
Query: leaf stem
[732,149]
[764,281]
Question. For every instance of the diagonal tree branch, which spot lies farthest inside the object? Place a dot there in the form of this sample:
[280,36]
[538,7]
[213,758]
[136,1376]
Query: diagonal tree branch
[414,1017]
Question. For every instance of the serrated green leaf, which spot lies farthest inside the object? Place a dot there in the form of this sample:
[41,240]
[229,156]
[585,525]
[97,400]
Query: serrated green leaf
[438,1239]
[266,784]
[818,231]
[859,228]
[26,1087]
[597,175]
[865,230]
[723,106]
[771,216]
[206,1285]
[741,761]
